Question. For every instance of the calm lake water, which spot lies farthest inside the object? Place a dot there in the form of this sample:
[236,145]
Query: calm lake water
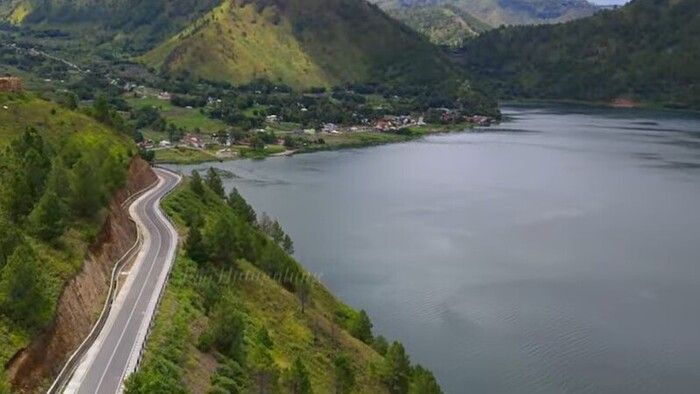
[558,252]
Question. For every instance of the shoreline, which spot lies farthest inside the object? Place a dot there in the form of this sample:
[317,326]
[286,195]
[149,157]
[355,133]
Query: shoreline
[358,140]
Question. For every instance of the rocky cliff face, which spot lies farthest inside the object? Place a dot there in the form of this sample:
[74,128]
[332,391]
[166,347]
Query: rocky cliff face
[81,302]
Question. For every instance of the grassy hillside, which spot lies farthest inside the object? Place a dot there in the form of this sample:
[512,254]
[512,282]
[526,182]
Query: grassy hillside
[443,25]
[506,12]
[301,43]
[646,51]
[57,170]
[248,318]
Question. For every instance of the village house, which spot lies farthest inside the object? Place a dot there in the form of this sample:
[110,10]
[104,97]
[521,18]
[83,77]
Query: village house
[393,123]
[330,128]
[193,141]
[10,84]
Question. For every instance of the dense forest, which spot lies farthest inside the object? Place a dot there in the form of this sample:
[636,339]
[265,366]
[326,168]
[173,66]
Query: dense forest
[646,51]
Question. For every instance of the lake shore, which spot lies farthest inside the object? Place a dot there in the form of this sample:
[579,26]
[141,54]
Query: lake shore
[349,140]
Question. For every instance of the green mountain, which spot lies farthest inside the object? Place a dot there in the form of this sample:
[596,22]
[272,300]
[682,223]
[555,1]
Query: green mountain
[647,51]
[302,43]
[443,25]
[505,12]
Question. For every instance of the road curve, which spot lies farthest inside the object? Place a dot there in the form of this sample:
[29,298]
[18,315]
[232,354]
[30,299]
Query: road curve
[116,351]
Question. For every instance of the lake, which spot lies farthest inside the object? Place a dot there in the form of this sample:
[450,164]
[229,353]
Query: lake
[557,252]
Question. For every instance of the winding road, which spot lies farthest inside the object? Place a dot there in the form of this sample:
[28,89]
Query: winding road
[116,351]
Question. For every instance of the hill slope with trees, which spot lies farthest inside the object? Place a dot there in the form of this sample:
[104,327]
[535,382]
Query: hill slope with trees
[645,51]
[58,168]
[503,12]
[443,25]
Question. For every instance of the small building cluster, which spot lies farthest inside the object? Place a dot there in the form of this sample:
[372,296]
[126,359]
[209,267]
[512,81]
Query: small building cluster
[393,123]
[10,84]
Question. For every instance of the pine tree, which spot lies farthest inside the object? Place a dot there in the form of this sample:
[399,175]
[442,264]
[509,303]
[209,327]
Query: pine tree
[221,239]
[194,245]
[23,290]
[361,327]
[86,192]
[47,219]
[214,182]
[59,180]
[287,244]
[395,372]
[423,382]
[240,207]
[196,183]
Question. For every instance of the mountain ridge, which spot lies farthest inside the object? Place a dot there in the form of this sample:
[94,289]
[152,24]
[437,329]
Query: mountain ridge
[645,51]
[301,43]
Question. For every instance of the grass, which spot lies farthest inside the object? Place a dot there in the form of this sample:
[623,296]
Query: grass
[182,155]
[187,118]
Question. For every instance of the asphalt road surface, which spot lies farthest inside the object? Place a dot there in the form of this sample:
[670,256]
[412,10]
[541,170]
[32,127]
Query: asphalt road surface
[115,353]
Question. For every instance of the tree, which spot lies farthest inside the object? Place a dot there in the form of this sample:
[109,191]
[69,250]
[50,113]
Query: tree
[361,327]
[47,219]
[288,244]
[24,295]
[240,207]
[303,290]
[343,375]
[59,180]
[423,382]
[86,190]
[395,372]
[297,378]
[257,143]
[226,331]
[214,182]
[24,167]
[196,183]
[195,247]
[276,232]
[265,223]
[221,239]
[380,345]
[101,110]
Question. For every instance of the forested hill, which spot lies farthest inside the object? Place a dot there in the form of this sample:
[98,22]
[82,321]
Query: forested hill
[301,43]
[443,25]
[647,51]
[504,12]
